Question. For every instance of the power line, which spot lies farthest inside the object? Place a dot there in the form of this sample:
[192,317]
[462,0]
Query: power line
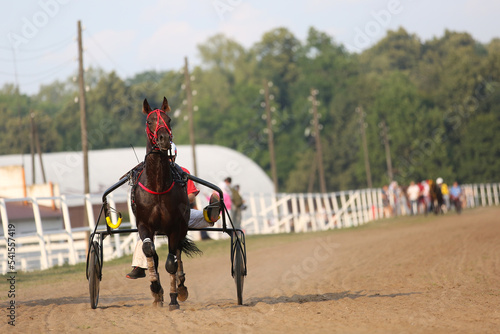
[42,79]
[104,51]
[50,70]
[58,46]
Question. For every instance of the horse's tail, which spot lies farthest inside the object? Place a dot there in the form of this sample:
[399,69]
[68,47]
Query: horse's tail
[189,247]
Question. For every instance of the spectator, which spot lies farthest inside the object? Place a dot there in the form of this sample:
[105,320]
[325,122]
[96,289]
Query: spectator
[456,197]
[225,186]
[469,197]
[238,204]
[426,196]
[446,195]
[439,202]
[394,197]
[386,202]
[413,192]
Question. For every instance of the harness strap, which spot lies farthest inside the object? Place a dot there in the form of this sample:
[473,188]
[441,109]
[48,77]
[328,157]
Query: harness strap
[154,192]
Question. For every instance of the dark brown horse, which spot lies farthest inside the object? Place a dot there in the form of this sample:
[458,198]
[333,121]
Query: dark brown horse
[162,207]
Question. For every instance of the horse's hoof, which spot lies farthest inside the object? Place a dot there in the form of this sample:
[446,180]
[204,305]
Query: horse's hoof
[173,307]
[158,304]
[182,293]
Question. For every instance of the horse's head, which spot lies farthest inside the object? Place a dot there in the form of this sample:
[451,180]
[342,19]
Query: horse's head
[158,126]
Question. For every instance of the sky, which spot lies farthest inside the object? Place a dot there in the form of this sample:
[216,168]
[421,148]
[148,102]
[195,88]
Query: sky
[38,37]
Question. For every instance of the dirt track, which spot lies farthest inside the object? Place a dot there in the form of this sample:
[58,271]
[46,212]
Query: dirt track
[416,275]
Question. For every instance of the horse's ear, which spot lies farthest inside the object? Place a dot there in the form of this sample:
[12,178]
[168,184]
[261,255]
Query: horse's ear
[164,106]
[146,109]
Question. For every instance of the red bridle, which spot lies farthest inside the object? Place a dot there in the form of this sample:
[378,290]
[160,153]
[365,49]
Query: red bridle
[153,136]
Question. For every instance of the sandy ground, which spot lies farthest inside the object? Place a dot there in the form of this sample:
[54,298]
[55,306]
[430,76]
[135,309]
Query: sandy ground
[418,275]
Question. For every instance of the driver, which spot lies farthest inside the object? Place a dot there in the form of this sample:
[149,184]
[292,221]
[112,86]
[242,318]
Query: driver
[197,219]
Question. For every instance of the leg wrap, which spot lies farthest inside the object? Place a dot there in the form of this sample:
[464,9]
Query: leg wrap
[147,247]
[149,250]
[171,264]
[153,275]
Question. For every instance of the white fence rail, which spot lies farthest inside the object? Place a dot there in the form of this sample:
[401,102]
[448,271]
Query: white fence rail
[43,246]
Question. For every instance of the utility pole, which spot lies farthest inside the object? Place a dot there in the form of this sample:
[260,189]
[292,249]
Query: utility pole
[317,139]
[83,113]
[312,176]
[385,138]
[39,151]
[35,143]
[189,98]
[32,148]
[362,125]
[270,138]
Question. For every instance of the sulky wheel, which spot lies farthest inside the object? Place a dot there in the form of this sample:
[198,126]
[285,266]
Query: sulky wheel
[238,271]
[94,274]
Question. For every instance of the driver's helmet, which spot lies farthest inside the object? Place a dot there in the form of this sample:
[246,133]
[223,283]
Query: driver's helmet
[173,150]
[439,180]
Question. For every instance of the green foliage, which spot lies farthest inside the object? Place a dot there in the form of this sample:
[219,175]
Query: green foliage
[439,99]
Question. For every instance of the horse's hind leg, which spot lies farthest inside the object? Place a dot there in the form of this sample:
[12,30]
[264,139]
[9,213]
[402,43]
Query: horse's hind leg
[181,276]
[152,258]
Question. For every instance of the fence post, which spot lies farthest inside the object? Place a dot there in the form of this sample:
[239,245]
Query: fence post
[5,221]
[312,215]
[475,194]
[321,217]
[253,208]
[370,205]
[489,195]
[364,206]
[90,212]
[69,233]
[379,207]
[355,206]
[263,211]
[328,209]
[483,194]
[275,213]
[495,192]
[44,262]
[295,212]
[342,219]
[337,223]
[286,211]
[303,214]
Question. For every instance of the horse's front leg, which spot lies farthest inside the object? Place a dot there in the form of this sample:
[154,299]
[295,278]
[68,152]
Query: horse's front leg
[156,289]
[172,265]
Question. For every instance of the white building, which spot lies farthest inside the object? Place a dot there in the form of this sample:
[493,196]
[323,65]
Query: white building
[214,163]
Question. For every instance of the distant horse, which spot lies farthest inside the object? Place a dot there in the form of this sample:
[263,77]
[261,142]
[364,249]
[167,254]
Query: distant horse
[161,206]
[436,197]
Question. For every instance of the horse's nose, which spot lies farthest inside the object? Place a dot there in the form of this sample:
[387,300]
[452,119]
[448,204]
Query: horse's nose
[163,140]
